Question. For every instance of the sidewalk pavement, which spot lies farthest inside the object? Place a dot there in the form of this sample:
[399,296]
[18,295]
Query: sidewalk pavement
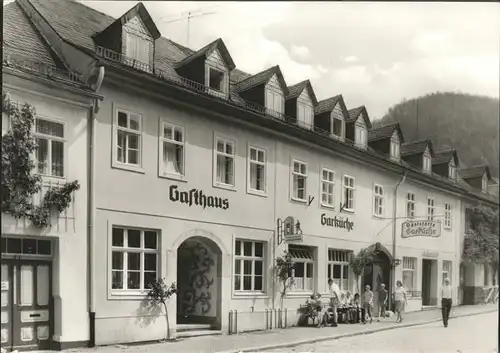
[281,338]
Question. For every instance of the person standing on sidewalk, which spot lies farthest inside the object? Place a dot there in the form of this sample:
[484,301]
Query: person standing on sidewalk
[368,303]
[334,292]
[446,301]
[382,301]
[399,300]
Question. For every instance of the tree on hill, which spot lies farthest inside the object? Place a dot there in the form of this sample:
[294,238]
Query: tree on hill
[468,123]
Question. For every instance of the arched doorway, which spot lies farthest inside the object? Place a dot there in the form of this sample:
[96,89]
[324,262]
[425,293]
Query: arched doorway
[378,272]
[199,282]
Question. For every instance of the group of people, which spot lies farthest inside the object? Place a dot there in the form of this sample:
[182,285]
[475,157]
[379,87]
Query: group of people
[346,308]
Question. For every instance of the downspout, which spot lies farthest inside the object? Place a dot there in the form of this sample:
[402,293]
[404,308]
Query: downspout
[275,234]
[91,209]
[394,221]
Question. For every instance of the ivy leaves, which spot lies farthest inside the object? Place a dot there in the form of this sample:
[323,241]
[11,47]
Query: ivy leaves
[19,182]
[481,244]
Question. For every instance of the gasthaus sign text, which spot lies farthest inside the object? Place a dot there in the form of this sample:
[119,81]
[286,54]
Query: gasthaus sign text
[421,229]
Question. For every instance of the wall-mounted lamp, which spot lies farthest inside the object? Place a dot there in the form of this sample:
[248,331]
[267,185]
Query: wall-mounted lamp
[396,262]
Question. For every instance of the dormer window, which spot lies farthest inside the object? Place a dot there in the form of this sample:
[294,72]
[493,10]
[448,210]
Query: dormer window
[137,48]
[275,101]
[305,115]
[484,184]
[361,134]
[427,162]
[216,79]
[338,122]
[395,148]
[452,171]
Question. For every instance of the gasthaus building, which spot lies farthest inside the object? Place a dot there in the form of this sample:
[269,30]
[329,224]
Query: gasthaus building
[192,169]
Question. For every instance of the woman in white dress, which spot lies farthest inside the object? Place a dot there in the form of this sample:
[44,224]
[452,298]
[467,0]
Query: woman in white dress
[399,297]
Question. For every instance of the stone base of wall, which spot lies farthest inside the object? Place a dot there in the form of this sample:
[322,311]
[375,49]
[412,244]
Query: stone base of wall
[473,295]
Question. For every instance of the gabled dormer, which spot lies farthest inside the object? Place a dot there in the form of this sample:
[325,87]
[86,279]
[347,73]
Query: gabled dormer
[357,126]
[300,103]
[419,154]
[477,176]
[266,89]
[387,139]
[210,67]
[330,116]
[133,37]
[446,163]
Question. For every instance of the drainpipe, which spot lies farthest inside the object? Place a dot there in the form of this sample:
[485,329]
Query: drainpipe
[275,234]
[91,209]
[394,221]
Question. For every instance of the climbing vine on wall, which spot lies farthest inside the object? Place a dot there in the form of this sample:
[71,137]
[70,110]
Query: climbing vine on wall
[19,182]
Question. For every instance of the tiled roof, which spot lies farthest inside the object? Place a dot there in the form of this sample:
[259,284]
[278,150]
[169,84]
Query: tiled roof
[415,147]
[295,90]
[217,44]
[354,114]
[21,38]
[443,156]
[385,132]
[262,78]
[327,105]
[476,171]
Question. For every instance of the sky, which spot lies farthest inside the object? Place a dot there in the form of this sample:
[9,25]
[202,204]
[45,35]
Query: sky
[373,53]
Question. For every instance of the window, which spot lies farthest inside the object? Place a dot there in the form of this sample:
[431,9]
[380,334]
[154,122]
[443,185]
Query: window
[305,116]
[378,201]
[134,258]
[409,275]
[26,246]
[216,79]
[274,102]
[430,209]
[172,149]
[349,193]
[248,266]
[137,48]
[395,151]
[452,172]
[360,138]
[338,268]
[427,162]
[257,169]
[224,161]
[49,137]
[303,273]
[410,205]
[484,183]
[128,141]
[337,127]
[447,270]
[327,187]
[299,178]
[447,215]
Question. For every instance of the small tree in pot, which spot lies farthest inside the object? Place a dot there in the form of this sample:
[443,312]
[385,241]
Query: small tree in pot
[283,269]
[358,263]
[159,294]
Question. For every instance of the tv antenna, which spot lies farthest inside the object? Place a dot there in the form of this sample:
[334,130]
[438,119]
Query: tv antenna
[188,15]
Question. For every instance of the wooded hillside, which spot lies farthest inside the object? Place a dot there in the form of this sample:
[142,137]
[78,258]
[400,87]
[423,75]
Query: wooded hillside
[468,123]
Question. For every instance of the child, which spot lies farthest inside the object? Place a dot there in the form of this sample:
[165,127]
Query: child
[368,302]
[360,313]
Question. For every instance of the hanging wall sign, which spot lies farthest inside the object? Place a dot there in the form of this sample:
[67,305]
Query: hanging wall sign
[197,197]
[337,222]
[421,229]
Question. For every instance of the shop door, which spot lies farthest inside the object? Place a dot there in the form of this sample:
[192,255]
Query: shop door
[426,285]
[26,304]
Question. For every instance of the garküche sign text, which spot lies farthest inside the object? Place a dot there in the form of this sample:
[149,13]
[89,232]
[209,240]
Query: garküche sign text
[337,222]
[195,196]
[421,229]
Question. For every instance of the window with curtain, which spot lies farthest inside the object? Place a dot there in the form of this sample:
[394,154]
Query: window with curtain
[299,178]
[338,268]
[249,266]
[409,274]
[224,161]
[49,136]
[257,169]
[327,187]
[303,273]
[128,142]
[172,149]
[137,48]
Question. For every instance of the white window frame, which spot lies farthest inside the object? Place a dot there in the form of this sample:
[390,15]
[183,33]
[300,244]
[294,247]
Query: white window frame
[223,81]
[427,163]
[126,250]
[378,200]
[162,140]
[253,258]
[143,44]
[360,136]
[411,205]
[447,271]
[338,257]
[249,167]
[342,124]
[305,115]
[452,171]
[51,138]
[448,215]
[328,183]
[307,263]
[233,156]
[484,183]
[431,208]
[298,174]
[410,264]
[271,107]
[353,188]
[123,165]
[395,148]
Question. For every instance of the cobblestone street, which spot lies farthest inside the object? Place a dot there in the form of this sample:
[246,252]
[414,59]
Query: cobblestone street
[472,334]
